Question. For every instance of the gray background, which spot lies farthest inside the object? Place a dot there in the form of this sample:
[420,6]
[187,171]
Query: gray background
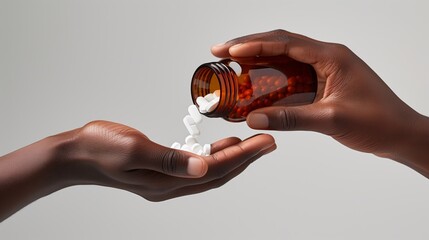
[65,63]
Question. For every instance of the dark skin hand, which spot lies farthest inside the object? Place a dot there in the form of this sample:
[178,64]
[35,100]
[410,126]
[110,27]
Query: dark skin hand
[354,105]
[115,155]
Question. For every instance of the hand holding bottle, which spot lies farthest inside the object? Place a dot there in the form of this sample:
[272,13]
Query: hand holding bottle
[354,105]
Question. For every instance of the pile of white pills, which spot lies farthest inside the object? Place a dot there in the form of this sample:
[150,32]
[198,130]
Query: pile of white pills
[206,104]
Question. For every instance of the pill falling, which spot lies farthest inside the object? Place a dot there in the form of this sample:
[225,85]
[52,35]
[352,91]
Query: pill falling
[206,104]
[191,125]
[195,114]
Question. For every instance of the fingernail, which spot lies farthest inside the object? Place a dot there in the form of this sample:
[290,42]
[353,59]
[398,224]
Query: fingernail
[258,121]
[196,166]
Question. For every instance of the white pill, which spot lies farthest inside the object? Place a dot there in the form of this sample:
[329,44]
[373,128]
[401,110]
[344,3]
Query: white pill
[216,93]
[195,114]
[206,149]
[202,108]
[212,104]
[176,145]
[196,147]
[186,147]
[190,140]
[194,130]
[190,125]
[201,101]
[188,120]
[209,97]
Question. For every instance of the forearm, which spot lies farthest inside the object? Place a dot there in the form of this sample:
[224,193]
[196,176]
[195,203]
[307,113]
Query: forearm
[28,174]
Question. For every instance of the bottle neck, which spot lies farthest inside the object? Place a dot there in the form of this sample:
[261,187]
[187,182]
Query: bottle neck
[213,76]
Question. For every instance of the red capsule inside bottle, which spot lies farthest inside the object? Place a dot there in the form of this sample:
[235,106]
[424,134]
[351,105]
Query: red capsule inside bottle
[253,83]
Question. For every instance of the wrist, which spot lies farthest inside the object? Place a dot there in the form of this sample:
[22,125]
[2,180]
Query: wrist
[61,165]
[412,148]
[70,161]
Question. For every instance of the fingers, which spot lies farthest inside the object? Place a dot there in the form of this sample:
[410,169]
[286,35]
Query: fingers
[175,162]
[194,189]
[183,164]
[222,50]
[311,117]
[224,161]
[274,43]
[259,48]
[171,161]
[224,143]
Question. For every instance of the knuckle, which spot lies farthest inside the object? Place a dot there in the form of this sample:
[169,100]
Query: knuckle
[93,123]
[280,35]
[278,31]
[92,127]
[133,144]
[340,52]
[287,120]
[339,48]
[337,58]
[331,114]
[111,130]
[170,161]
[335,116]
[128,144]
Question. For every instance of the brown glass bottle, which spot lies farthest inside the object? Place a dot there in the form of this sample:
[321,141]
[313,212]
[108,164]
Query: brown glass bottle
[254,83]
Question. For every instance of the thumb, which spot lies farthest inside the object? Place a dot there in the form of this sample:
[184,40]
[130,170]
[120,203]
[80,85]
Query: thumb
[175,162]
[307,117]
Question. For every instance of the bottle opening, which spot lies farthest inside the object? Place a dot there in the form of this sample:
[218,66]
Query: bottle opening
[204,82]
[218,79]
